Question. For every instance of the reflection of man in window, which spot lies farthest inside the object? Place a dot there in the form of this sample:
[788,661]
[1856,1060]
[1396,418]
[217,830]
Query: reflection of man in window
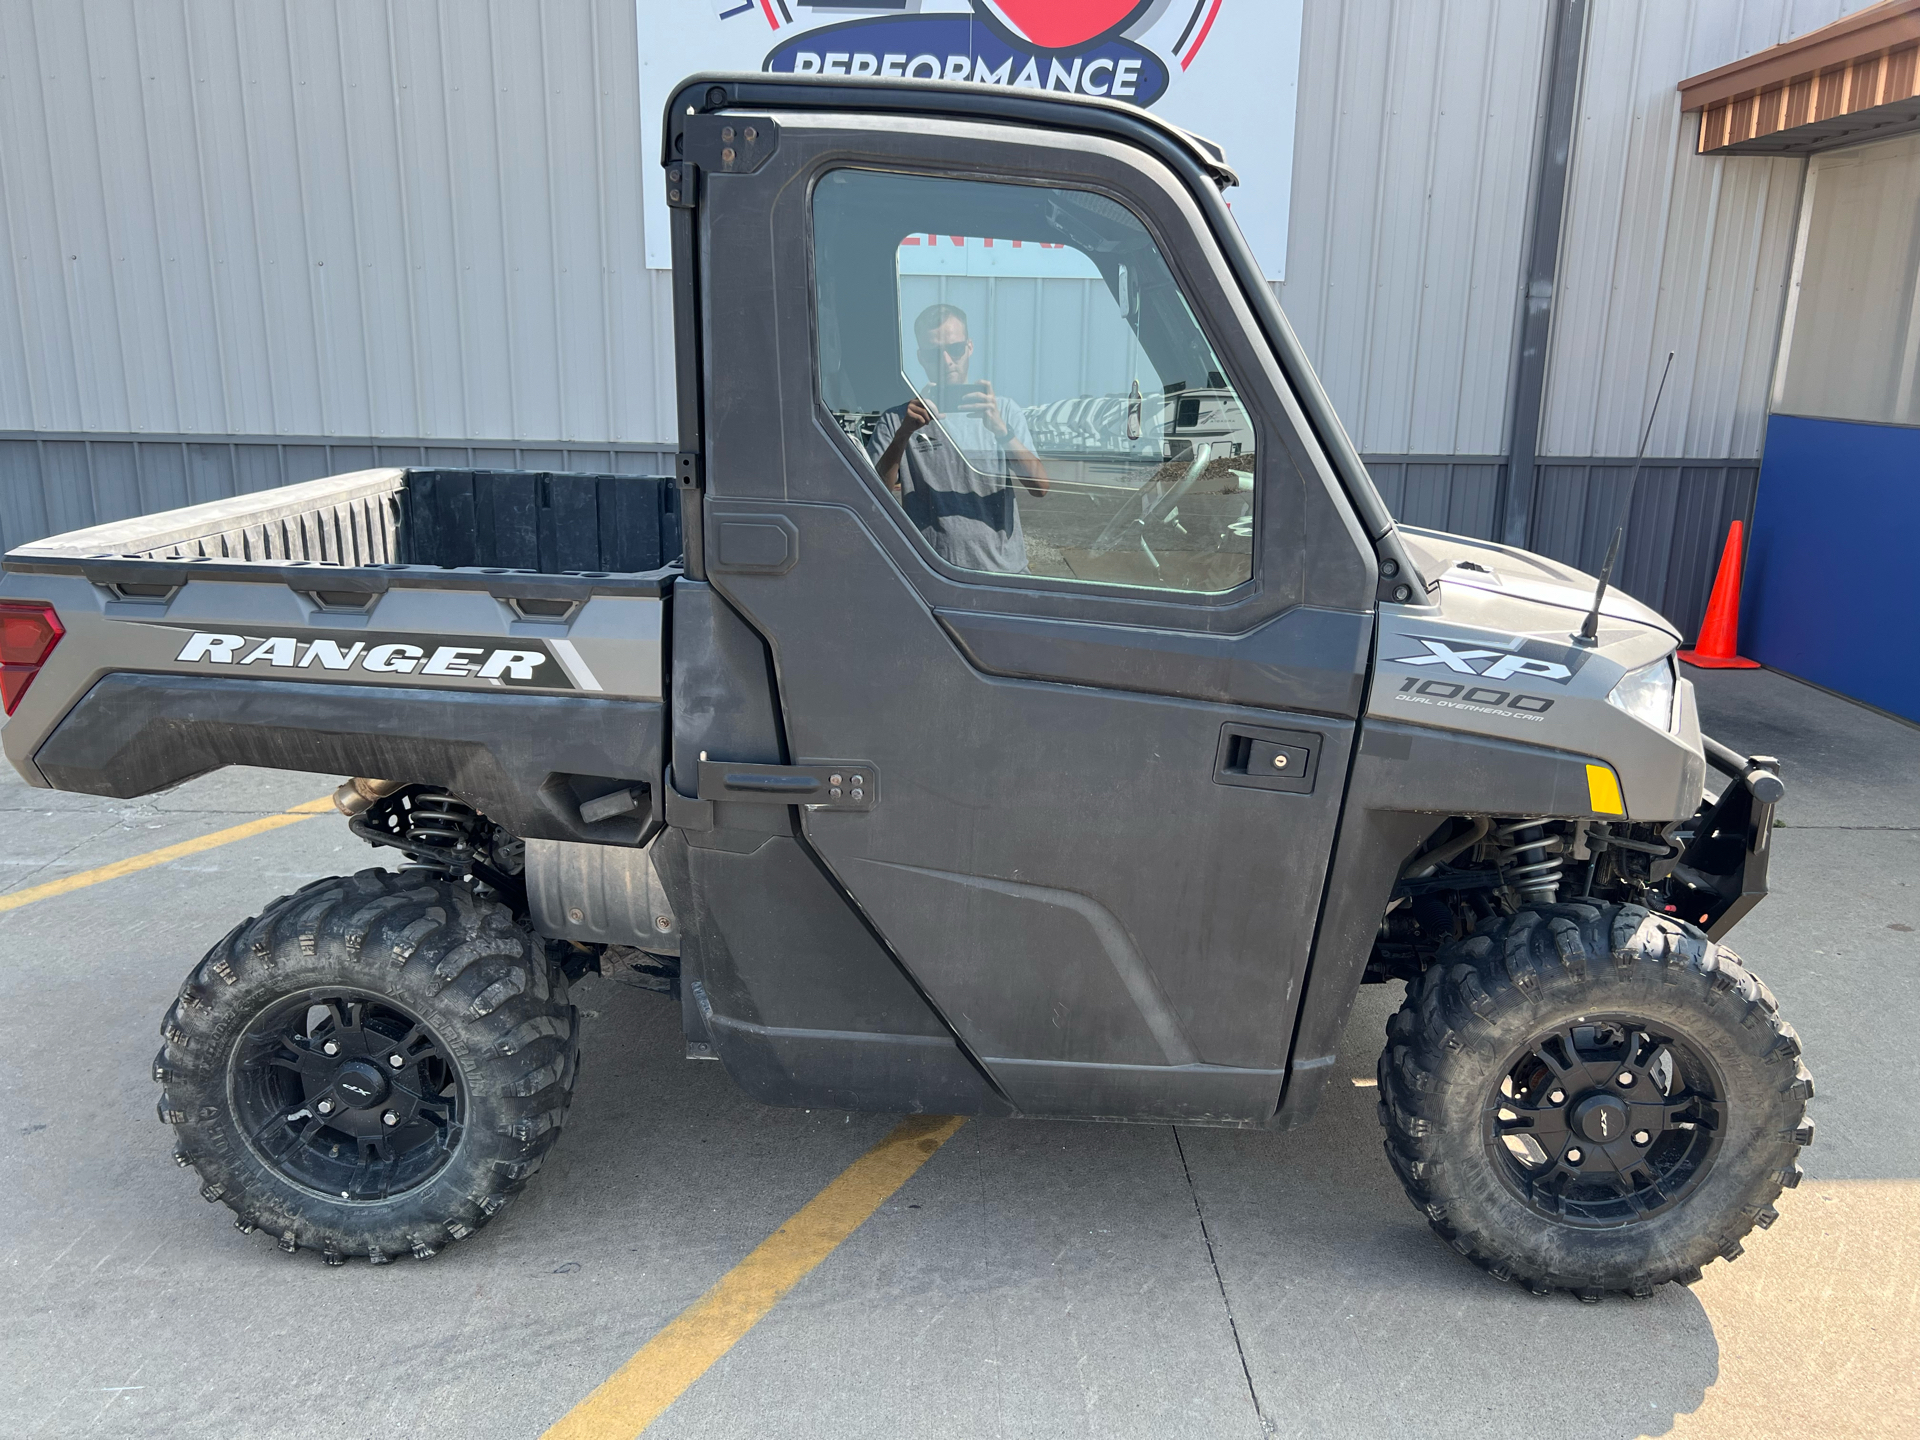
[952,456]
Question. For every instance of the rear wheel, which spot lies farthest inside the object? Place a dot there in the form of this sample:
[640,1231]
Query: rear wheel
[1593,1098]
[372,1067]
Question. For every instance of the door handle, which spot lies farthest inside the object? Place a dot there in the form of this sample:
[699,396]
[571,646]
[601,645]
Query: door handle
[1267,759]
[836,785]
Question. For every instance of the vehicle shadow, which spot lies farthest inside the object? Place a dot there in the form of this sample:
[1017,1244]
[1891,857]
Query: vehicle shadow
[1356,1319]
[1349,1315]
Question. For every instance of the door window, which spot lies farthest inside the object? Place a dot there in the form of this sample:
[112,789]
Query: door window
[1026,380]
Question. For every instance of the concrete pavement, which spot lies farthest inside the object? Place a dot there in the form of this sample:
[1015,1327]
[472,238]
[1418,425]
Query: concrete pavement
[1034,1279]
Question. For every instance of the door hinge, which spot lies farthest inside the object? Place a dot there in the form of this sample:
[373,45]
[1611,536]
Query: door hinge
[837,785]
[691,473]
[683,185]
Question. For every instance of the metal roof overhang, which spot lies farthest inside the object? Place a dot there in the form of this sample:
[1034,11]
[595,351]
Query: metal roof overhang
[1856,79]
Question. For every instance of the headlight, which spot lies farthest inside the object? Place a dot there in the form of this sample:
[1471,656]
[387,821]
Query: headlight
[1647,694]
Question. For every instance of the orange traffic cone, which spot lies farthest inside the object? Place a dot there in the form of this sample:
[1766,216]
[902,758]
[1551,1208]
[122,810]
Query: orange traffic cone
[1719,643]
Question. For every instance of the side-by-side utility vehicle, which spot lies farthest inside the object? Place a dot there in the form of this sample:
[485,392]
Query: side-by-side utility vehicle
[1018,702]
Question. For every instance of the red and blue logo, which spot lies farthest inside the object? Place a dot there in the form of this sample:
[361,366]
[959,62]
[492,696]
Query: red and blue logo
[1080,47]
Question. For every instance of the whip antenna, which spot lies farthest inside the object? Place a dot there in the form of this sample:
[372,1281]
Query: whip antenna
[1590,627]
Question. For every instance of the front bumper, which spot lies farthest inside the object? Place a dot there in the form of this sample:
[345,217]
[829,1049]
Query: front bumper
[1722,874]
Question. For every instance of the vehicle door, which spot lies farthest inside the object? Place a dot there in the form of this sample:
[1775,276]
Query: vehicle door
[1084,664]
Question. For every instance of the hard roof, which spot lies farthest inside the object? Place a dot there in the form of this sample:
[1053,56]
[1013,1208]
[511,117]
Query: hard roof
[958,98]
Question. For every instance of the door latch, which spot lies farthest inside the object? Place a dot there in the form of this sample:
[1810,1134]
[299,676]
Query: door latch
[1265,759]
[837,785]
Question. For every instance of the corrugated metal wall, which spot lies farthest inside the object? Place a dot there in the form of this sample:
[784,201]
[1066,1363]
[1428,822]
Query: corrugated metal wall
[249,237]
[1666,250]
[327,218]
[1412,166]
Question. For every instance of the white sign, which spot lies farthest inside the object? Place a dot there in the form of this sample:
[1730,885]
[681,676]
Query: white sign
[1225,69]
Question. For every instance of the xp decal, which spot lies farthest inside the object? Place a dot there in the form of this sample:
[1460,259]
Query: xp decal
[1488,664]
[546,665]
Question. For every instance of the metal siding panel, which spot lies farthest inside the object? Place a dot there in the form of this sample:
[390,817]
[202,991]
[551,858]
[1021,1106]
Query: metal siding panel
[209,473]
[83,251]
[1349,238]
[1479,182]
[1404,220]
[324,171]
[287,295]
[67,481]
[1666,250]
[376,212]
[359,219]
[239,330]
[257,467]
[23,497]
[167,181]
[430,184]
[1412,166]
[1390,480]
[1427,490]
[1515,113]
[113,480]
[124,160]
[19,361]
[304,462]
[487,335]
[1473,499]
[162,470]
[639,314]
[572,167]
[526,207]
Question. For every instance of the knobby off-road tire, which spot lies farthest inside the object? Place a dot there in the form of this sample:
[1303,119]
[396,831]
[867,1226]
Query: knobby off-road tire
[1550,986]
[452,1060]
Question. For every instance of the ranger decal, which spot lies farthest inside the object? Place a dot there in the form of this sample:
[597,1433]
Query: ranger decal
[528,663]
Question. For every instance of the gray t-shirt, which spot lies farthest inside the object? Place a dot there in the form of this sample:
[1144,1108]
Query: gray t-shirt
[962,500]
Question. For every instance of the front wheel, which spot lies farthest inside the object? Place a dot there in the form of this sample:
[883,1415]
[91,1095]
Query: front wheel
[371,1067]
[1593,1098]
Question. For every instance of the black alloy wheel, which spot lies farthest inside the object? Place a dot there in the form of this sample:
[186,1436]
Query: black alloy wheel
[347,1095]
[373,1066]
[1593,1098]
[1606,1121]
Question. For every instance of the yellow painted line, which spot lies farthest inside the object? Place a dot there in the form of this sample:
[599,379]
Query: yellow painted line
[164,854]
[636,1394]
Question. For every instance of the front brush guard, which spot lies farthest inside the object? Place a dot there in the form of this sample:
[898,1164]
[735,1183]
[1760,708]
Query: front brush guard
[1722,874]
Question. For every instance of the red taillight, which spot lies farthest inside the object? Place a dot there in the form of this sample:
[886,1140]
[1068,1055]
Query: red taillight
[28,633]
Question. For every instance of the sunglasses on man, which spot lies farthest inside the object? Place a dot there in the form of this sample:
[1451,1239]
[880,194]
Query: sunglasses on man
[955,352]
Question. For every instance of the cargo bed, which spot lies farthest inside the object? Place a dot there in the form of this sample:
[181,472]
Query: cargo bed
[496,632]
[405,526]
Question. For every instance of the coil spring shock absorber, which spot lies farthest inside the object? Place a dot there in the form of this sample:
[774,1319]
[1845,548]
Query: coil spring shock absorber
[437,818]
[1529,859]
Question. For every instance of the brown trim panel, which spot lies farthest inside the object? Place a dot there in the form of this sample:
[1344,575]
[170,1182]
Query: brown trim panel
[1854,80]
